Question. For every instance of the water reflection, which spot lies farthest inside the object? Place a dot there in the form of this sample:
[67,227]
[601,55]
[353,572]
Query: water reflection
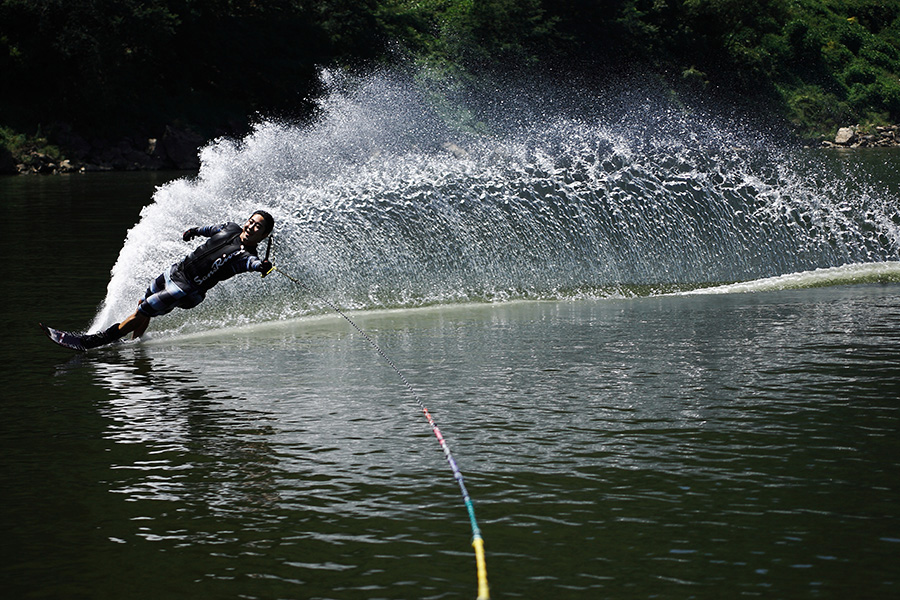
[193,448]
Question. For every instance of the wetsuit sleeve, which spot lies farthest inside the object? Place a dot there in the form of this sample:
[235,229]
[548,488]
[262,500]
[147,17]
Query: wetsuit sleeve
[211,230]
[245,261]
[254,263]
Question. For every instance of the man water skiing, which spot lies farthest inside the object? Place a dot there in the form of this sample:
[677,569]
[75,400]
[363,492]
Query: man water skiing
[230,250]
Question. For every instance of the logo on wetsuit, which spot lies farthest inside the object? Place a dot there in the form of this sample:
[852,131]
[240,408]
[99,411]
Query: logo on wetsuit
[216,265]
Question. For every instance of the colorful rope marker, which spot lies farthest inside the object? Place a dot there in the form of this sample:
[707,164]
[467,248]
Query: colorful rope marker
[477,540]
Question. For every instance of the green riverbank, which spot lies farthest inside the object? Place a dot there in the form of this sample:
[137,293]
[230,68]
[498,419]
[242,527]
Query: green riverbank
[141,84]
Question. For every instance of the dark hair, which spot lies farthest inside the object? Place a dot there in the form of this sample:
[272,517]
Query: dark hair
[268,221]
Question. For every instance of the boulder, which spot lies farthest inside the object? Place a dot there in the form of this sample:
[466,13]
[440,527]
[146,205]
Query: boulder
[845,136]
[67,166]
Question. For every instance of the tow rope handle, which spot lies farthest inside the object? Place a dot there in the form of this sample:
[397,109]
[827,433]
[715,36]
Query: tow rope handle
[268,251]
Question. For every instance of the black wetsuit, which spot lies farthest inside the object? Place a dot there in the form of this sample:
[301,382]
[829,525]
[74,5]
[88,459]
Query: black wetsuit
[185,284]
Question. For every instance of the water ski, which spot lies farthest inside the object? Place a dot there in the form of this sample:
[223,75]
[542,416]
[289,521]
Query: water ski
[66,339]
[76,341]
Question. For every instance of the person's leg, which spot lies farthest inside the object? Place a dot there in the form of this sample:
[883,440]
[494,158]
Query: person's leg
[135,324]
[157,300]
[139,321]
[161,297]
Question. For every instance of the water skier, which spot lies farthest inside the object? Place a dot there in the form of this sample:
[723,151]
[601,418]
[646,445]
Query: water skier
[230,250]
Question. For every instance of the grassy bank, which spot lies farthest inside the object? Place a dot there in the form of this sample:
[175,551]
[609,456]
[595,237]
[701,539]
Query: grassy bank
[20,153]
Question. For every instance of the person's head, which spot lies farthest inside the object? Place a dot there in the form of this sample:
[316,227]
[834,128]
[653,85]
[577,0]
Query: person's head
[257,227]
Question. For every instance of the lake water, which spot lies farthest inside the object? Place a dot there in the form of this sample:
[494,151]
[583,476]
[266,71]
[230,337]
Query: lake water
[618,440]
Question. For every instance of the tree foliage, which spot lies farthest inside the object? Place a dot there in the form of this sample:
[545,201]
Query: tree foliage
[120,65]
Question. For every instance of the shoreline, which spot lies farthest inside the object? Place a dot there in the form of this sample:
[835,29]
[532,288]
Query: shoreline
[887,136]
[175,149]
[178,150]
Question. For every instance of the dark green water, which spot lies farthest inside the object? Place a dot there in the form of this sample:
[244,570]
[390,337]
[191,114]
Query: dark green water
[709,446]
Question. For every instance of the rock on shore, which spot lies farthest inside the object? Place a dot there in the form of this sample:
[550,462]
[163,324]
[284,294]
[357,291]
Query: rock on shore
[853,137]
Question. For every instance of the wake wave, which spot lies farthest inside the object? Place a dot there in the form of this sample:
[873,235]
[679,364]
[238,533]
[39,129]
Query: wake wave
[857,274]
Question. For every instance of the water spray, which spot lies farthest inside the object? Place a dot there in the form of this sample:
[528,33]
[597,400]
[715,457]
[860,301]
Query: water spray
[477,540]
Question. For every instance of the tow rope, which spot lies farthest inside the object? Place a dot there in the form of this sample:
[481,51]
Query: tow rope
[477,540]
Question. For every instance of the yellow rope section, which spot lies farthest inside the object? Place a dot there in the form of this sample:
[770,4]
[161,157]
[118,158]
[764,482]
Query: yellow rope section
[483,591]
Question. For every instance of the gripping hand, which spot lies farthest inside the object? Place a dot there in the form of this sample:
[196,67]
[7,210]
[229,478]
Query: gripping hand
[266,267]
[190,234]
